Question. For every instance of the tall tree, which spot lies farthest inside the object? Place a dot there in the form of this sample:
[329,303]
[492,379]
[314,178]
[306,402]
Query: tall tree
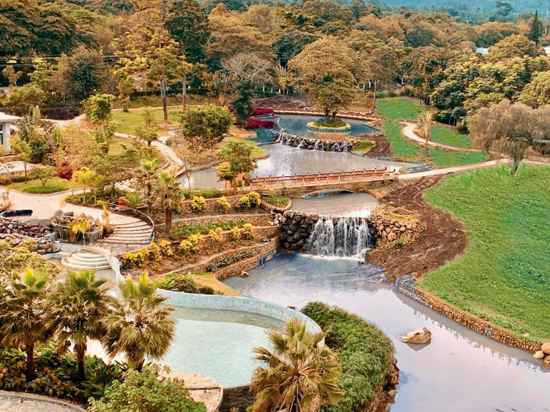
[140,325]
[24,315]
[80,306]
[169,193]
[301,374]
[188,24]
[536,29]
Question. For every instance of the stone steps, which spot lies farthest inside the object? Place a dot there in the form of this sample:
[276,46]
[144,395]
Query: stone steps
[132,233]
[85,260]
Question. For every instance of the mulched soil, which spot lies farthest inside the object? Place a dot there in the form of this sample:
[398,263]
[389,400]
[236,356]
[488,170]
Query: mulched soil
[381,147]
[443,239]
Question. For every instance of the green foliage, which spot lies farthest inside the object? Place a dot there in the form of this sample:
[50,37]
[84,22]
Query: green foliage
[146,391]
[42,174]
[56,375]
[277,200]
[181,282]
[365,354]
[223,204]
[51,185]
[243,103]
[207,193]
[503,276]
[250,200]
[98,107]
[188,24]
[198,203]
[186,230]
[206,125]
[22,99]
[238,155]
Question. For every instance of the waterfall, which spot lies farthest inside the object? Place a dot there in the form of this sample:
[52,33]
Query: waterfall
[343,236]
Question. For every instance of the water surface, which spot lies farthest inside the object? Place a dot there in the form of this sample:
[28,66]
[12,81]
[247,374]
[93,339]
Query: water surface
[297,125]
[336,203]
[460,371]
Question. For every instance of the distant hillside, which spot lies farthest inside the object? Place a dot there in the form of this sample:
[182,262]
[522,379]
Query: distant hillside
[519,6]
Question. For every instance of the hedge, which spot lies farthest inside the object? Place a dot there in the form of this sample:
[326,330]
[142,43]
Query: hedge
[365,352]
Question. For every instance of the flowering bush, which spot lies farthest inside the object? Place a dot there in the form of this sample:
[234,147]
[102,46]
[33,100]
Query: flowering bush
[198,203]
[216,234]
[223,204]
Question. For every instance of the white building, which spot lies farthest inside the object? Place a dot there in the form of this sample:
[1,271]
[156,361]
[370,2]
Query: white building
[7,126]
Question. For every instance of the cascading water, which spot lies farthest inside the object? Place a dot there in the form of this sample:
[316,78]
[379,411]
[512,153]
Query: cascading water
[342,236]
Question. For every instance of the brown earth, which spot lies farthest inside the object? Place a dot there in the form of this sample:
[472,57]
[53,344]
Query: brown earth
[443,239]
[381,146]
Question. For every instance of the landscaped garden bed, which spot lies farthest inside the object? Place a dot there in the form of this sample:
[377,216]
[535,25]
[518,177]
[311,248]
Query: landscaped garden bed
[369,373]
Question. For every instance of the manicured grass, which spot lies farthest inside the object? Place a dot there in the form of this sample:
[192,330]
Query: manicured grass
[396,109]
[277,200]
[53,185]
[130,121]
[450,136]
[504,275]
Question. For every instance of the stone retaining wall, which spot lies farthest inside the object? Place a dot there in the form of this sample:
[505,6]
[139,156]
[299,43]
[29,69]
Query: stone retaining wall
[407,286]
[261,256]
[307,143]
[256,219]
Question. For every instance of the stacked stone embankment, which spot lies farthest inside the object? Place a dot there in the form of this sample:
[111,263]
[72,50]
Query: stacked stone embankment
[314,144]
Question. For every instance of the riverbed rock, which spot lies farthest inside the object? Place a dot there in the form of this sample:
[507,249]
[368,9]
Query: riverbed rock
[546,361]
[538,355]
[418,337]
[546,348]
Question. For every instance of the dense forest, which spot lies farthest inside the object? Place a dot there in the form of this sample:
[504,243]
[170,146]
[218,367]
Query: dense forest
[58,53]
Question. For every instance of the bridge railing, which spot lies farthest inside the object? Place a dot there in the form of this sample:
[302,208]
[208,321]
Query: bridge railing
[323,177]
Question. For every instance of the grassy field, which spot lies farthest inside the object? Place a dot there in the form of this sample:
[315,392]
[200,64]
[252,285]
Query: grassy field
[450,136]
[396,109]
[504,275]
[130,121]
[53,185]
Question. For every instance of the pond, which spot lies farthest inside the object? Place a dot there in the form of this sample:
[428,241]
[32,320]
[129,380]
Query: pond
[460,371]
[285,160]
[297,125]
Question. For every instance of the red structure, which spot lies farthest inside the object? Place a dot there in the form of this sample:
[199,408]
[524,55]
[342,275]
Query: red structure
[256,123]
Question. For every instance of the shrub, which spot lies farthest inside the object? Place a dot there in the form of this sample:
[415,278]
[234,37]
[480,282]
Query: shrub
[278,201]
[207,193]
[255,199]
[146,391]
[65,171]
[223,204]
[56,375]
[216,234]
[247,232]
[198,204]
[186,247]
[364,351]
[205,125]
[180,282]
[244,202]
[236,233]
[166,248]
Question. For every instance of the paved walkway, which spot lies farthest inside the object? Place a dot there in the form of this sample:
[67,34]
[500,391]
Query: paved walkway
[410,133]
[26,402]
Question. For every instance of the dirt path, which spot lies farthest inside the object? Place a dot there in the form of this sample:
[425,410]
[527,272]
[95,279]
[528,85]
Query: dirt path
[410,133]
[443,239]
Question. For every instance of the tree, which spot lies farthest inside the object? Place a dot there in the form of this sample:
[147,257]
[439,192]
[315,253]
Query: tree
[536,29]
[79,307]
[242,105]
[537,92]
[301,374]
[24,315]
[22,99]
[248,67]
[12,75]
[188,24]
[205,125]
[147,133]
[239,158]
[98,108]
[146,391]
[425,123]
[512,46]
[86,177]
[43,174]
[139,325]
[83,73]
[149,169]
[326,70]
[510,128]
[169,193]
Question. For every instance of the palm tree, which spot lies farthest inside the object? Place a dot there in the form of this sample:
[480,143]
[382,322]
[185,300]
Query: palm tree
[24,314]
[139,326]
[301,374]
[149,169]
[79,308]
[169,191]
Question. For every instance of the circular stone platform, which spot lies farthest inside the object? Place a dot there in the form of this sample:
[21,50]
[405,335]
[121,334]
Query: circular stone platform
[26,402]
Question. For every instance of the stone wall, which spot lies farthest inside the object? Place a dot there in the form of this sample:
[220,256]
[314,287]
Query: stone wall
[236,399]
[391,228]
[258,257]
[407,286]
[295,229]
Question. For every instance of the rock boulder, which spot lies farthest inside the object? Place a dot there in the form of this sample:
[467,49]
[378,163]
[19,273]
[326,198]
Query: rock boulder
[418,337]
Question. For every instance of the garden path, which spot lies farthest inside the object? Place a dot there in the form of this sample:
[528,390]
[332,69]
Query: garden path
[410,133]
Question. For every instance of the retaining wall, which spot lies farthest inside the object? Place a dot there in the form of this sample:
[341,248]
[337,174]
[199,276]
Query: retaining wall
[407,286]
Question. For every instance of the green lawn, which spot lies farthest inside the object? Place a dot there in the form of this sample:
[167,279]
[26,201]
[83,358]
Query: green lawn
[53,185]
[130,121]
[396,109]
[450,136]
[504,275]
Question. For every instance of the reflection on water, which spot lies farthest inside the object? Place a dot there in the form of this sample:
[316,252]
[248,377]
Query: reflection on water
[218,344]
[460,371]
[340,204]
[289,161]
[297,125]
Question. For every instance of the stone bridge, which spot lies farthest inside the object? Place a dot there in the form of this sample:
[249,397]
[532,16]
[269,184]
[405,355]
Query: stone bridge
[356,181]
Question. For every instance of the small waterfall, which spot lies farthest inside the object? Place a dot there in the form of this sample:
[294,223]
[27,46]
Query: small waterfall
[343,236]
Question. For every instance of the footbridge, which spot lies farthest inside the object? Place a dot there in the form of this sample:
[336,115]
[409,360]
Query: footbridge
[356,180]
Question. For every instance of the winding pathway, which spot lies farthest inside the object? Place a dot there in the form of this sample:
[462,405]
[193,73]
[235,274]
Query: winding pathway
[410,133]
